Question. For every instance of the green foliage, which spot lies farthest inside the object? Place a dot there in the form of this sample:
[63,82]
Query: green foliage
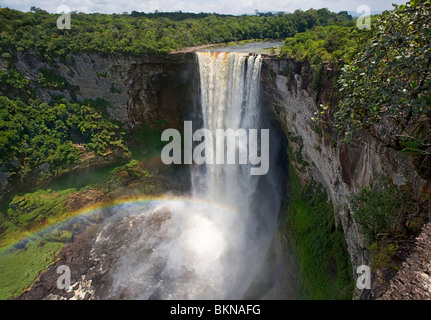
[38,133]
[381,254]
[390,78]
[93,177]
[324,265]
[100,106]
[324,44]
[132,171]
[388,212]
[317,78]
[49,79]
[377,211]
[35,209]
[144,141]
[57,235]
[12,82]
[19,268]
[321,46]
[140,33]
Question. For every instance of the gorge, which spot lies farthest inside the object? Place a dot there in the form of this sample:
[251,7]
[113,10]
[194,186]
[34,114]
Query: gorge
[150,88]
[211,245]
[235,94]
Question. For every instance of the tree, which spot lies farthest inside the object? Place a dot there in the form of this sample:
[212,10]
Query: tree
[35,9]
[390,81]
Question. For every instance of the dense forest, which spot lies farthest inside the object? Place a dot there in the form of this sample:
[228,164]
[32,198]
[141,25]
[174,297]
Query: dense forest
[382,75]
[148,33]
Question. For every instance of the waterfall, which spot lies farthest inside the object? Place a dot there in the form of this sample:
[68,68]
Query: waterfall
[212,244]
[229,99]
[229,88]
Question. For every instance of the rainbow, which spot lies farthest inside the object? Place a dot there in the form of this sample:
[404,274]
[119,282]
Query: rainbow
[127,201]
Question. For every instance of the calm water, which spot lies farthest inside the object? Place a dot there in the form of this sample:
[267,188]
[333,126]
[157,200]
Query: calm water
[251,47]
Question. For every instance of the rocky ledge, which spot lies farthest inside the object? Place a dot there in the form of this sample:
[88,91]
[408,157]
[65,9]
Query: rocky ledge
[413,280]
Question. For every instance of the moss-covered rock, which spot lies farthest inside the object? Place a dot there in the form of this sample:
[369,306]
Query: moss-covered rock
[318,243]
[61,236]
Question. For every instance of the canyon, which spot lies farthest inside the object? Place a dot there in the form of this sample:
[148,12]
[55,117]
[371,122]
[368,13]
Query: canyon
[144,89]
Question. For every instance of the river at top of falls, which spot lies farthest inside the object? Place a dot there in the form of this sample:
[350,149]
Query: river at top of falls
[255,47]
[212,244]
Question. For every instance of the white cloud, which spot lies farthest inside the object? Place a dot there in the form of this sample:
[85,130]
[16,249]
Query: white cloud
[220,6]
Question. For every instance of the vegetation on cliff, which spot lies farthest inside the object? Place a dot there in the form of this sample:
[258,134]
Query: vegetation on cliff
[386,90]
[390,81]
[325,271]
[381,87]
[385,78]
[390,219]
[55,135]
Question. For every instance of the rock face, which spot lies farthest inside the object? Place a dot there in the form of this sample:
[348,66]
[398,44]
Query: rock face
[341,169]
[413,281]
[132,89]
[147,88]
[135,89]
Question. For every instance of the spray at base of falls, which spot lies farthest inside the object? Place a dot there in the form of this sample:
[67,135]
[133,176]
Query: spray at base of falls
[186,250]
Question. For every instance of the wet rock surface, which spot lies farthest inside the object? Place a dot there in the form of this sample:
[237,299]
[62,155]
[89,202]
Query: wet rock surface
[92,255]
[126,257]
[344,170]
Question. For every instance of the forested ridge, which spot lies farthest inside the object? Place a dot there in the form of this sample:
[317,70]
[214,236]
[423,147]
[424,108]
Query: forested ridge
[137,33]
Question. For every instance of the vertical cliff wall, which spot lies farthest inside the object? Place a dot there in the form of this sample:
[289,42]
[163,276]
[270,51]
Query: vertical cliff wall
[147,88]
[341,169]
[133,89]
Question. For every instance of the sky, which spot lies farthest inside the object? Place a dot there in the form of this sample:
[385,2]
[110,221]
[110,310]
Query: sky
[219,6]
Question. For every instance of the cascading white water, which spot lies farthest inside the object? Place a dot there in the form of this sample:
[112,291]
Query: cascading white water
[212,245]
[229,92]
[229,86]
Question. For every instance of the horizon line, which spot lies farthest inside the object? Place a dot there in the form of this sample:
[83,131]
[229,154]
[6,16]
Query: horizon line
[350,12]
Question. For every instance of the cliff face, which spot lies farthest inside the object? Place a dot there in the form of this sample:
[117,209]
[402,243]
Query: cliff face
[148,88]
[131,89]
[342,169]
[135,89]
